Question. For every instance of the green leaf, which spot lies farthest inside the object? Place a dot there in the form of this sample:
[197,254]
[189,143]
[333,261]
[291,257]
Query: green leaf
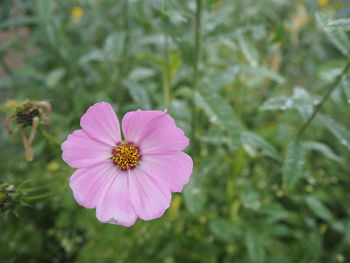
[254,244]
[222,230]
[277,103]
[339,131]
[255,142]
[219,112]
[293,163]
[194,195]
[138,94]
[54,77]
[319,209]
[322,148]
[343,23]
[346,87]
[18,21]
[44,9]
[336,35]
[249,51]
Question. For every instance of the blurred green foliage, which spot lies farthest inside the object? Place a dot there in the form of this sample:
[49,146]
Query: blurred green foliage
[258,193]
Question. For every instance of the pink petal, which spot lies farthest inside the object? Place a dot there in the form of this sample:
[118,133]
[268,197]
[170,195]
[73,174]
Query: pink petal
[79,150]
[115,206]
[87,183]
[174,169]
[134,123]
[154,132]
[101,123]
[150,198]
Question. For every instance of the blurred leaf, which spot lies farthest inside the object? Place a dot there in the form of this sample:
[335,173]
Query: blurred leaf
[277,103]
[54,77]
[256,252]
[322,148]
[141,73]
[18,21]
[139,94]
[336,35]
[219,112]
[276,212]
[338,130]
[258,143]
[346,87]
[293,164]
[343,23]
[44,8]
[250,199]
[194,195]
[301,100]
[222,230]
[319,209]
[249,51]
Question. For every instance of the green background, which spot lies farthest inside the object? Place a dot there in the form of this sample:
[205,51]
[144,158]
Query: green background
[258,193]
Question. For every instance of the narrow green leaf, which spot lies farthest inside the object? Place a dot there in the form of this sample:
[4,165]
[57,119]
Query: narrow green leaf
[322,148]
[343,23]
[338,130]
[277,103]
[293,164]
[249,51]
[258,143]
[346,87]
[18,21]
[318,208]
[254,243]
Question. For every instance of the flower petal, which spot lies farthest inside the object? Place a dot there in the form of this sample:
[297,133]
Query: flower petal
[153,132]
[149,198]
[115,206]
[87,183]
[174,169]
[161,136]
[101,123]
[79,150]
[135,122]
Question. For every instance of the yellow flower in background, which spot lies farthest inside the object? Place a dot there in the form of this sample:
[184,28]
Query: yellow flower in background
[77,12]
[323,3]
[100,1]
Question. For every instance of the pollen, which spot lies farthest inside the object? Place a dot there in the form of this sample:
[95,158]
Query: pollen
[126,156]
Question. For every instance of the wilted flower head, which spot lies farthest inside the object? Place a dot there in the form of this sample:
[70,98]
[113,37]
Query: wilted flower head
[27,113]
[130,177]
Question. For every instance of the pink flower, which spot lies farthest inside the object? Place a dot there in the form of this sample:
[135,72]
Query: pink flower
[131,177]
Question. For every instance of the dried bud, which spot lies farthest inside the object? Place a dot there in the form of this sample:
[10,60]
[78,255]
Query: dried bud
[7,197]
[26,112]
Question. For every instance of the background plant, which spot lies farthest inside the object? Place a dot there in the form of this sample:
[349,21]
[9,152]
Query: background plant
[240,77]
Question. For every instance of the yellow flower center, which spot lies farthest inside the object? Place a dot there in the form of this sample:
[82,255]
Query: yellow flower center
[126,155]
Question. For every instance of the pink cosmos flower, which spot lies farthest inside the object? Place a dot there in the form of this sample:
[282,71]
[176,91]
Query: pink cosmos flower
[131,177]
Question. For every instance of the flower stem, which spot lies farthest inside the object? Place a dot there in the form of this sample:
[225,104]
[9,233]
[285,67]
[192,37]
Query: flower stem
[331,88]
[46,195]
[197,36]
[166,73]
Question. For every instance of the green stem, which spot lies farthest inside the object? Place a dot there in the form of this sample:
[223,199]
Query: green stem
[125,67]
[166,74]
[29,198]
[197,36]
[332,87]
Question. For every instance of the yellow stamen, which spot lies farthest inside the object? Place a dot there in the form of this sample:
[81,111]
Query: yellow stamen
[126,156]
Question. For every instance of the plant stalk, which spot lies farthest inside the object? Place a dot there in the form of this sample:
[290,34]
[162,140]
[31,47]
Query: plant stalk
[197,36]
[318,107]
